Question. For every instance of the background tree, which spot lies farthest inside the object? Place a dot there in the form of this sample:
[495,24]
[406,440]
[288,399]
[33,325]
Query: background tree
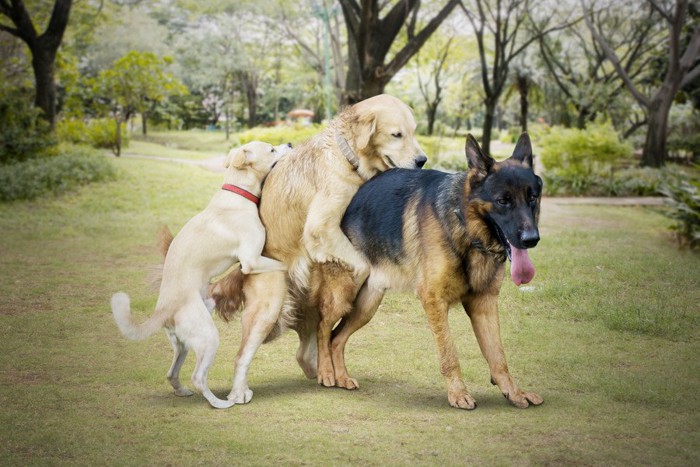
[505,23]
[431,73]
[43,47]
[577,65]
[683,66]
[371,36]
[133,84]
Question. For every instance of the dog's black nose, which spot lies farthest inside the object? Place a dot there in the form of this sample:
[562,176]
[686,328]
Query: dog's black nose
[420,161]
[530,238]
[289,145]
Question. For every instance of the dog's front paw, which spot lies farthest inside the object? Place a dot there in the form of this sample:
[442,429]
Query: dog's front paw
[523,400]
[461,399]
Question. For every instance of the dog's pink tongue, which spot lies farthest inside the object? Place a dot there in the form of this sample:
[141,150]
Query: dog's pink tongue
[521,269]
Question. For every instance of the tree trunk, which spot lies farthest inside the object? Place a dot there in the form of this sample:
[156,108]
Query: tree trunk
[43,48]
[489,117]
[655,151]
[431,111]
[117,149]
[370,39]
[144,123]
[523,90]
[45,99]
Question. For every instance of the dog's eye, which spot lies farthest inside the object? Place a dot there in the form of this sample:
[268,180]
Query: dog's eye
[503,201]
[533,198]
[398,134]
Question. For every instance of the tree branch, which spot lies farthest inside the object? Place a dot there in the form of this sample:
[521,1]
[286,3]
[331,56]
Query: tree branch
[612,57]
[410,49]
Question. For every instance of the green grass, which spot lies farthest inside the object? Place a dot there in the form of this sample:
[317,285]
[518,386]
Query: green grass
[608,336]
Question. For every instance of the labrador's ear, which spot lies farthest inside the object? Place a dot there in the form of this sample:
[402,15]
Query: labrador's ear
[236,158]
[367,128]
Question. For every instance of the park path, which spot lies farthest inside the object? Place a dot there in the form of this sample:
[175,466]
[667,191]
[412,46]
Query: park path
[216,164]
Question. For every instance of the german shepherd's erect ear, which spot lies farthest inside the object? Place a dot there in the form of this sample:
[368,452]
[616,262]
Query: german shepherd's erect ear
[523,150]
[477,160]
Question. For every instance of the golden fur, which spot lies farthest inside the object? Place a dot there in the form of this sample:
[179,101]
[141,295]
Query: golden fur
[303,201]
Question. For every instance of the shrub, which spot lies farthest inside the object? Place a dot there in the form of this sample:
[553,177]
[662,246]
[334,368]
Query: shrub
[98,133]
[605,181]
[294,134]
[72,167]
[23,133]
[569,151]
[683,199]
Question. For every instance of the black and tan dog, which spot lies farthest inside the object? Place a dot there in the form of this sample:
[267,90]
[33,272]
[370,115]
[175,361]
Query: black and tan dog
[446,237]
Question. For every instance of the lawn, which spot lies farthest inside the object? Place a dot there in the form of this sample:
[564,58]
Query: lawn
[607,334]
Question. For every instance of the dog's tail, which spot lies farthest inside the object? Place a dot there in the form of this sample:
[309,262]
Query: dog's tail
[163,241]
[121,309]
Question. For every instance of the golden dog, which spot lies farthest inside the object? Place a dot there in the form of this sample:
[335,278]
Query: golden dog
[303,201]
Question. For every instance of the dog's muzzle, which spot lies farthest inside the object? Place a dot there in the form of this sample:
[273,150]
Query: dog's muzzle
[530,238]
[420,161]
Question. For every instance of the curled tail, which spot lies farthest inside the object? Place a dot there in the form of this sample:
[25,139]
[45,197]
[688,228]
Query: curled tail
[121,309]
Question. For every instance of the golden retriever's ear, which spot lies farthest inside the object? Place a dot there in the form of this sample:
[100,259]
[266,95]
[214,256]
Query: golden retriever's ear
[366,128]
[235,158]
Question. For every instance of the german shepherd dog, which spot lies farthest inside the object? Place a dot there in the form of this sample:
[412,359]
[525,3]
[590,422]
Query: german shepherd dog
[447,237]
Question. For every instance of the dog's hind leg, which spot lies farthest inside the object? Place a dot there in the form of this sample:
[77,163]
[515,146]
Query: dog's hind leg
[333,293]
[265,294]
[179,355]
[483,312]
[366,304]
[203,338]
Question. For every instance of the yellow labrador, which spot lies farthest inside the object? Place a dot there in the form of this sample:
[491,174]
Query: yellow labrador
[228,229]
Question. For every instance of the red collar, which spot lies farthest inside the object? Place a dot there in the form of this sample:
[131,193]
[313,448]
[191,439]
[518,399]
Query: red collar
[240,191]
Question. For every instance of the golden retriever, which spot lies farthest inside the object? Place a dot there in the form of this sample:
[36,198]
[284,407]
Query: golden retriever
[209,243]
[303,202]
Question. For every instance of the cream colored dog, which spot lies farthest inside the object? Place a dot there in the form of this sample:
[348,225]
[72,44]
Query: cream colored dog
[228,229]
[304,200]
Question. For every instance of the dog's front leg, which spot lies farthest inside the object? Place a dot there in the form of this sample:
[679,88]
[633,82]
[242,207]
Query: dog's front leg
[325,241]
[437,309]
[483,312]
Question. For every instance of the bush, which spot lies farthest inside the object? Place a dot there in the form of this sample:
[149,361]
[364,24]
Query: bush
[98,133]
[294,134]
[574,152]
[606,182]
[683,199]
[73,167]
[23,133]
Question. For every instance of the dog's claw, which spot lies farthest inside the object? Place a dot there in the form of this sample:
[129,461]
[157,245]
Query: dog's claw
[462,401]
[523,400]
[241,397]
[347,383]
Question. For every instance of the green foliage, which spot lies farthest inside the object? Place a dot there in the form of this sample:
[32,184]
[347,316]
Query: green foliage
[605,181]
[683,199]
[137,81]
[278,135]
[23,133]
[578,152]
[98,133]
[72,167]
